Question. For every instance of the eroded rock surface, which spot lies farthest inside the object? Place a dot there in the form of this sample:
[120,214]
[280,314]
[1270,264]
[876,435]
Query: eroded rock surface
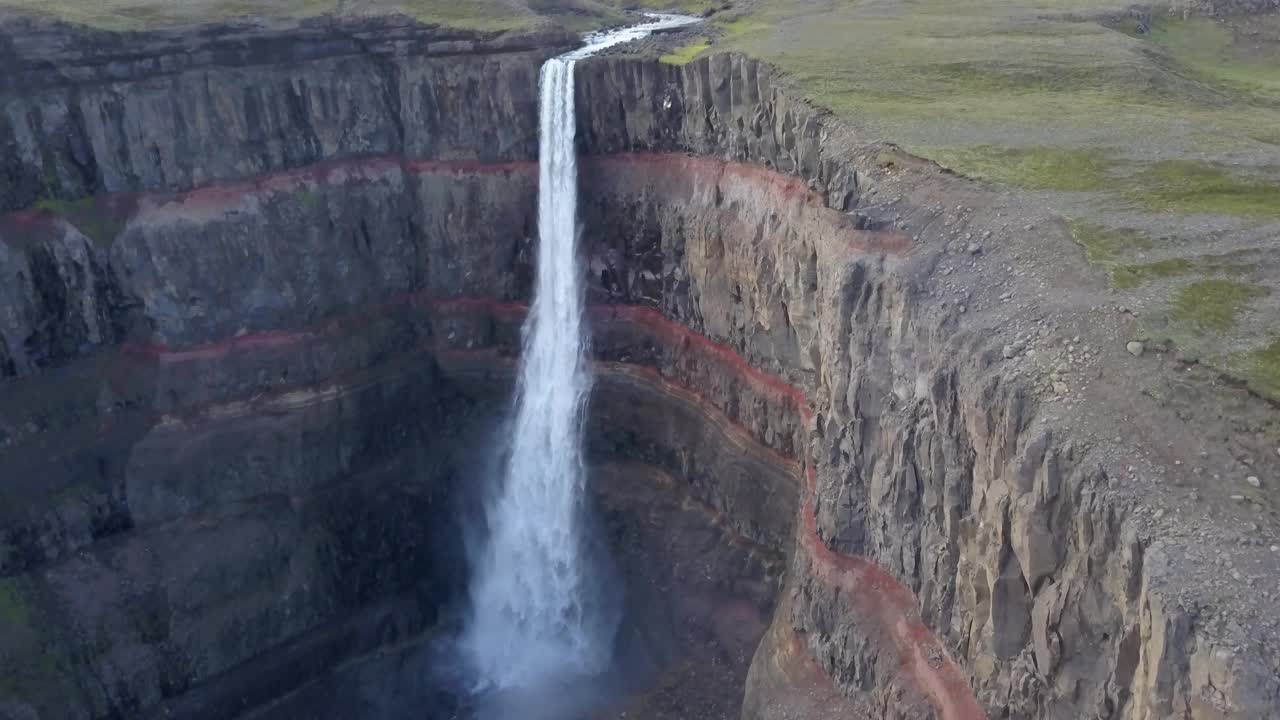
[230,377]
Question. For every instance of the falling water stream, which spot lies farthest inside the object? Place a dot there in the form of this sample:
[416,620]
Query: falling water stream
[538,612]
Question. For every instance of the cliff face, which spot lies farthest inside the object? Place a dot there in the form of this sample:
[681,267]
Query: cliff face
[229,463]
[925,454]
[88,113]
[235,381]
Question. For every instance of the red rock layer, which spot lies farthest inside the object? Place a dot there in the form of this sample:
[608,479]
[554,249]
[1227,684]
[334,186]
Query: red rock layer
[871,589]
[877,595]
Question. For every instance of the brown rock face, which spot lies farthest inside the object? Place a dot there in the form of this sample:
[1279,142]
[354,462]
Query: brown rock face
[242,384]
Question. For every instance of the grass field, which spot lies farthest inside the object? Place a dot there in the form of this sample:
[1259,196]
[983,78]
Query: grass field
[1162,146]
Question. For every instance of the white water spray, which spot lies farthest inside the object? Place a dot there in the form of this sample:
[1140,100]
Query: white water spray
[537,612]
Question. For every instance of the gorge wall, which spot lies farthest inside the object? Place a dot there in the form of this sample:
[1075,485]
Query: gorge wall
[252,293]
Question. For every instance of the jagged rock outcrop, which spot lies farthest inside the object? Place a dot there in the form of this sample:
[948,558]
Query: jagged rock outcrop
[308,257]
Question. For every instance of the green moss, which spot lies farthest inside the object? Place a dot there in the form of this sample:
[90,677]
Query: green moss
[1190,186]
[99,223]
[743,26]
[50,175]
[1213,305]
[1261,368]
[1105,245]
[65,207]
[1266,136]
[1131,276]
[1218,53]
[683,55]
[1234,264]
[1111,247]
[967,78]
[1115,249]
[13,608]
[1037,168]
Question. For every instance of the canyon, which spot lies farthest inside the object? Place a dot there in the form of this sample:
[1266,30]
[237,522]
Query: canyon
[261,291]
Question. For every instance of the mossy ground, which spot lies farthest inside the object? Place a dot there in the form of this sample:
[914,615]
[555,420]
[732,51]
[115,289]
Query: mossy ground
[1156,140]
[1131,276]
[94,217]
[1040,168]
[1213,305]
[1191,187]
[1114,250]
[29,666]
[1224,53]
[1106,246]
[1260,368]
[1043,94]
[13,608]
[682,55]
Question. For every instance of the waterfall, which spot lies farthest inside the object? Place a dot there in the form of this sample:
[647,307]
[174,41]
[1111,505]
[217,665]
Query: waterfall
[537,611]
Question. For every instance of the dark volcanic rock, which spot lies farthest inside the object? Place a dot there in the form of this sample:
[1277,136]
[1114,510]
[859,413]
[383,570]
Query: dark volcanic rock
[236,385]
[105,113]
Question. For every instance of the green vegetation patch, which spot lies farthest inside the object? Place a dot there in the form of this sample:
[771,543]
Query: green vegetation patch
[742,26]
[29,659]
[1131,276]
[13,607]
[962,78]
[1105,245]
[1190,186]
[309,198]
[1213,305]
[1067,92]
[1110,248]
[1239,263]
[65,207]
[1266,137]
[683,55]
[1037,168]
[95,217]
[1261,369]
[1227,54]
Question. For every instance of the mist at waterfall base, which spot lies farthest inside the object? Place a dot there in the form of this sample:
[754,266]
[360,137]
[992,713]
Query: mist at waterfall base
[544,604]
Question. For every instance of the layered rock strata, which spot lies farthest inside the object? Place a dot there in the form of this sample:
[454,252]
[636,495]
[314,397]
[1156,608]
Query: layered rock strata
[295,277]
